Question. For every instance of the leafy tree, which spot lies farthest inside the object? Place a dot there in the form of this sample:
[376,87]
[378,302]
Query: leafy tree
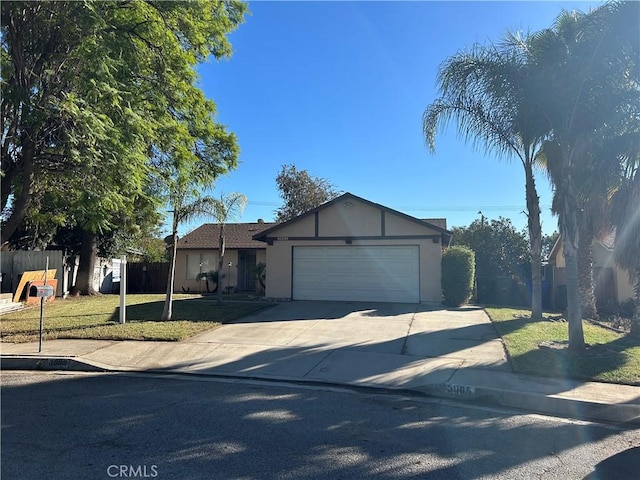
[500,250]
[228,207]
[154,249]
[92,94]
[301,192]
[487,93]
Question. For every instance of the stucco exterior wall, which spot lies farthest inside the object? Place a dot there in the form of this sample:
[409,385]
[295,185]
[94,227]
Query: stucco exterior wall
[230,255]
[395,225]
[560,258]
[350,218]
[304,227]
[624,286]
[602,258]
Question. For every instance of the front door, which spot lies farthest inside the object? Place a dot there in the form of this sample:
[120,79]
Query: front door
[246,271]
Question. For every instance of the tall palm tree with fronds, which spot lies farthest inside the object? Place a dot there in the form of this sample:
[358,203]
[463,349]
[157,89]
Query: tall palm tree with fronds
[486,91]
[228,207]
[187,204]
[586,78]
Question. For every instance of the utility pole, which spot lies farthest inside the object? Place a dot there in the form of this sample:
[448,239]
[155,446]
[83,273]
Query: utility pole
[482,218]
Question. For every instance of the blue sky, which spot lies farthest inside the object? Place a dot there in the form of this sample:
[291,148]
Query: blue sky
[338,89]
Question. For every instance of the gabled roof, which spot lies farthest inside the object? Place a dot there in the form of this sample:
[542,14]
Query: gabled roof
[237,235]
[608,241]
[551,258]
[262,236]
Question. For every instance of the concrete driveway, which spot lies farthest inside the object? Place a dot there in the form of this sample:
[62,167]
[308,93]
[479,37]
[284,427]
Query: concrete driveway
[391,328]
[380,327]
[356,343]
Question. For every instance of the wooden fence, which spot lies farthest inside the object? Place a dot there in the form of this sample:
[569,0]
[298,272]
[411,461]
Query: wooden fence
[147,277]
[14,264]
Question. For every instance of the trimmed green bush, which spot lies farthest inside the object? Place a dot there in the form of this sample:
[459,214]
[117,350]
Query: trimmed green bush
[458,271]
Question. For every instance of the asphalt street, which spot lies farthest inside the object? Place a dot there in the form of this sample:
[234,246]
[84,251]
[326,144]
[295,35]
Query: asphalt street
[101,426]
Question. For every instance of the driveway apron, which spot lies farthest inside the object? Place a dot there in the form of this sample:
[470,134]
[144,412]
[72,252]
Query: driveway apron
[345,334]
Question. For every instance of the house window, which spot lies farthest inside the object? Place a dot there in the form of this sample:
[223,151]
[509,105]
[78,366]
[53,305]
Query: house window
[198,263]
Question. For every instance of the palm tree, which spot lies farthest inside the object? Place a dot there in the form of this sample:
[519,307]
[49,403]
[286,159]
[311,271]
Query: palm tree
[486,91]
[625,218]
[586,80]
[227,207]
[187,204]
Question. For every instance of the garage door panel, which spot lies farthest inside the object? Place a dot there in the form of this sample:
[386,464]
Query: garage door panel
[358,273]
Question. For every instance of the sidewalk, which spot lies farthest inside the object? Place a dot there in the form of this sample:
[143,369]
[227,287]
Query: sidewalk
[443,377]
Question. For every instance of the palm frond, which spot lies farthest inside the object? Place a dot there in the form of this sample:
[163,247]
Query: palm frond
[228,207]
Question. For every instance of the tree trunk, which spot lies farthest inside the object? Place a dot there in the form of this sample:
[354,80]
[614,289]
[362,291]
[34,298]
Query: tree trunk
[574,313]
[585,272]
[167,312]
[21,201]
[6,186]
[568,225]
[535,242]
[86,269]
[635,322]
[221,244]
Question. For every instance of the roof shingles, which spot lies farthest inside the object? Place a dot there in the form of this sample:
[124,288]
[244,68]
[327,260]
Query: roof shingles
[237,235]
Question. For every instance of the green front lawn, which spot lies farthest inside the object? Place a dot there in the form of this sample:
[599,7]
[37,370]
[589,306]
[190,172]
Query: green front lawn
[98,318]
[539,348]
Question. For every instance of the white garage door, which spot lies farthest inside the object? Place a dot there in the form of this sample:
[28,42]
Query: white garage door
[357,273]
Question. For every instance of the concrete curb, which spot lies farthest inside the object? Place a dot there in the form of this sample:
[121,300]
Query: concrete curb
[625,413]
[559,405]
[28,362]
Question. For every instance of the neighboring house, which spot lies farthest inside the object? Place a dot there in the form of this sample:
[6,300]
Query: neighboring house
[197,252]
[612,283]
[355,250]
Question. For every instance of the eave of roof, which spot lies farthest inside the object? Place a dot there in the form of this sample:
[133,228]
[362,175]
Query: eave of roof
[262,236]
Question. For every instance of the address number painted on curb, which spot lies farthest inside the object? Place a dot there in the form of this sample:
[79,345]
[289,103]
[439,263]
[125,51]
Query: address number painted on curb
[54,364]
[459,390]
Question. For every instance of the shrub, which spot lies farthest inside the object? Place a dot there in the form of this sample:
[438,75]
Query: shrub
[458,270]
[260,272]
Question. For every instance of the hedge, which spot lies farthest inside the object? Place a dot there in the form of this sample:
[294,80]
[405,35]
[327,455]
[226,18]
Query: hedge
[458,271]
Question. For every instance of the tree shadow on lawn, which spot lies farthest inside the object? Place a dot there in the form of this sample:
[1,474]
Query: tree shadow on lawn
[553,359]
[191,309]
